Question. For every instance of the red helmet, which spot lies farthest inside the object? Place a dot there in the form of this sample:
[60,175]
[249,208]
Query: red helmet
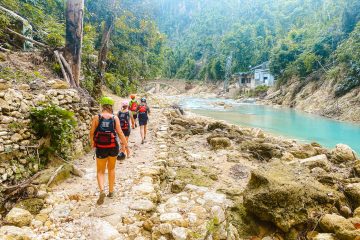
[132,96]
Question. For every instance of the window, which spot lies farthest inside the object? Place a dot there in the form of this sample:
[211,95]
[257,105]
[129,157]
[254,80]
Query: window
[265,79]
[243,80]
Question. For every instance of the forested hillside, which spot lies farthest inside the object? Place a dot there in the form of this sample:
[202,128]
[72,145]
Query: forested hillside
[135,47]
[297,36]
[191,39]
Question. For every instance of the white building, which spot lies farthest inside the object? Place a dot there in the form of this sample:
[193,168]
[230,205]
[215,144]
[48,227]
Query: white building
[262,75]
[258,76]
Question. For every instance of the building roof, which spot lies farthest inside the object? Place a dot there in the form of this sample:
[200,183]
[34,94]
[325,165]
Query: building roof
[263,66]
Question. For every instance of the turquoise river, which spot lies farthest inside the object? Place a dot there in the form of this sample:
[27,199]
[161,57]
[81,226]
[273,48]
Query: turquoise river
[280,121]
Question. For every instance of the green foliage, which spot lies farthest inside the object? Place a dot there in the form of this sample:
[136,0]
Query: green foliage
[56,125]
[46,18]
[348,54]
[16,126]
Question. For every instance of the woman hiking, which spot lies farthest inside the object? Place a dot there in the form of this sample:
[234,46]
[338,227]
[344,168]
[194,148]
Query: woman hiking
[124,117]
[143,114]
[133,104]
[104,133]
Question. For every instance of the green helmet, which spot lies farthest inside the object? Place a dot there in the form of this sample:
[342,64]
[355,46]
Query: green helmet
[107,101]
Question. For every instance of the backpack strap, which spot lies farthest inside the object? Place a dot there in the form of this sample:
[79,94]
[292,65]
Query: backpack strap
[113,118]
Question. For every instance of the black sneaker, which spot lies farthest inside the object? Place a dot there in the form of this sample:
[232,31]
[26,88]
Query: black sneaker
[111,195]
[143,141]
[101,198]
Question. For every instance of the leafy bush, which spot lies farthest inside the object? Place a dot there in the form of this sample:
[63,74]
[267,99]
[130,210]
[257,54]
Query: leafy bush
[56,125]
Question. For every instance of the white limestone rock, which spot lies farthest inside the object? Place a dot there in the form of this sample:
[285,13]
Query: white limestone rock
[19,217]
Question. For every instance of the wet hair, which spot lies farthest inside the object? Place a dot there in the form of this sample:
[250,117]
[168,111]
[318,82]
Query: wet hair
[107,108]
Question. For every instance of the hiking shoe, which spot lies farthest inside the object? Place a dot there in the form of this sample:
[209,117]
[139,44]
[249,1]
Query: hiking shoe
[135,125]
[111,195]
[101,198]
[143,141]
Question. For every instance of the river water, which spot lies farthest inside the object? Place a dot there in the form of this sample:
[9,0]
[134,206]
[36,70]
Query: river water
[280,121]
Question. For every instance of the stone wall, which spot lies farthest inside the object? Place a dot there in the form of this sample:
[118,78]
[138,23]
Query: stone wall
[18,145]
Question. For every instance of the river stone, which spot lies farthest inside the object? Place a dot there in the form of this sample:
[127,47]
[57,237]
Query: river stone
[179,233]
[19,217]
[342,153]
[142,205]
[287,195]
[16,233]
[170,217]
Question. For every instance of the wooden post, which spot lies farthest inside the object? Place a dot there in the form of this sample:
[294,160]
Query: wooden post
[74,33]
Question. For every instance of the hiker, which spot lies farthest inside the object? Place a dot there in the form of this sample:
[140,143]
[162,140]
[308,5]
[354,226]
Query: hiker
[143,114]
[124,117]
[133,104]
[104,133]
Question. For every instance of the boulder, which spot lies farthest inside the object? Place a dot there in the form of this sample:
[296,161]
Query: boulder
[217,125]
[19,217]
[287,195]
[320,161]
[352,191]
[343,228]
[342,153]
[14,233]
[262,151]
[182,122]
[304,151]
[142,205]
[357,212]
[220,143]
[104,229]
[356,168]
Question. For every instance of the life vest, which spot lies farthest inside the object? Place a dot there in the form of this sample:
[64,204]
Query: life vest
[142,109]
[133,106]
[124,120]
[105,134]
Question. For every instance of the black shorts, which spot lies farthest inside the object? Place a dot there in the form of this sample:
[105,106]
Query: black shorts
[143,121]
[126,132]
[102,153]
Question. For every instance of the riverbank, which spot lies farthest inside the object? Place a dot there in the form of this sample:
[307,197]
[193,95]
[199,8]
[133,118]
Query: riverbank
[197,178]
[317,97]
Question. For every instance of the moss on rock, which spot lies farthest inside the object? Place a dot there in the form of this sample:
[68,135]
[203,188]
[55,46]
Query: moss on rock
[191,176]
[33,205]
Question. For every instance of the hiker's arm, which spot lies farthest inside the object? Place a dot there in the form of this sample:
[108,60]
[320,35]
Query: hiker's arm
[121,136]
[94,124]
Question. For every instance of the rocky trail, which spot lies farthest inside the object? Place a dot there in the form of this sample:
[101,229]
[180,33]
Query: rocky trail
[196,178]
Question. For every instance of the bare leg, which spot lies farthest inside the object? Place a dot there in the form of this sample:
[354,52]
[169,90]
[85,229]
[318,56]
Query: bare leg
[132,120]
[111,173]
[101,166]
[142,132]
[145,130]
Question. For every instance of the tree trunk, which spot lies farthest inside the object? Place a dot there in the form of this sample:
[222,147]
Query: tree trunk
[108,27]
[74,33]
